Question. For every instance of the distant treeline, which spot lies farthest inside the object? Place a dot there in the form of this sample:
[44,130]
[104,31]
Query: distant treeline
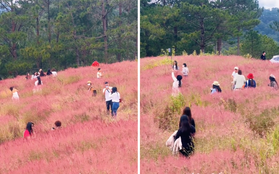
[202,25]
[64,33]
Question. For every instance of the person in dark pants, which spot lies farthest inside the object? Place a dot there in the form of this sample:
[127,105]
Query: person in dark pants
[263,56]
[185,131]
[107,93]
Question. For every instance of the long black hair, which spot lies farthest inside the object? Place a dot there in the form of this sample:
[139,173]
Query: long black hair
[175,66]
[179,78]
[113,90]
[39,80]
[182,118]
[217,88]
[187,112]
[29,127]
[185,126]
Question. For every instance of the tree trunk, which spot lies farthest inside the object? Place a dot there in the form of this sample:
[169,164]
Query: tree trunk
[48,22]
[104,20]
[219,45]
[39,63]
[119,45]
[202,36]
[175,37]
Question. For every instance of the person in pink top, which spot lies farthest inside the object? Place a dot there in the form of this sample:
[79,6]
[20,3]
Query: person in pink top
[28,133]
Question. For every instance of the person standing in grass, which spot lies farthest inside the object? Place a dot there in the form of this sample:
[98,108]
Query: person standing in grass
[176,83]
[49,72]
[185,70]
[99,73]
[234,73]
[175,66]
[250,83]
[273,82]
[185,131]
[38,84]
[239,81]
[15,93]
[263,56]
[115,97]
[215,87]
[187,112]
[107,92]
[28,133]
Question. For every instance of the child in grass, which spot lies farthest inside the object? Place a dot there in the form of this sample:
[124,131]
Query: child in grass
[99,74]
[91,89]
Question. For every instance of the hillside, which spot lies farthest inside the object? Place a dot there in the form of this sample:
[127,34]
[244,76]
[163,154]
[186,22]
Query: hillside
[89,141]
[237,131]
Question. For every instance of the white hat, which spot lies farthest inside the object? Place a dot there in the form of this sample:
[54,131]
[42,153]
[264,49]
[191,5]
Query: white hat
[236,67]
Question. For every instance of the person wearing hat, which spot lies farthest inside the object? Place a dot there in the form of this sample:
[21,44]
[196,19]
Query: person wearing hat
[176,83]
[99,74]
[107,93]
[273,82]
[15,94]
[215,87]
[91,89]
[250,83]
[234,73]
[239,81]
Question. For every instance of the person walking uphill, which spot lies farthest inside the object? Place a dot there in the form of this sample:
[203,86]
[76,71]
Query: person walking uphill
[107,92]
[263,56]
[115,97]
[175,66]
[250,83]
[176,83]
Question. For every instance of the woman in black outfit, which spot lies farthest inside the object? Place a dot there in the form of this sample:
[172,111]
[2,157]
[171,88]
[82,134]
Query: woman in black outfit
[187,112]
[185,131]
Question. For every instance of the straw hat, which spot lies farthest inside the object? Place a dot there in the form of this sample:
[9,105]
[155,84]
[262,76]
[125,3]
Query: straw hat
[236,67]
[271,75]
[216,83]
[89,82]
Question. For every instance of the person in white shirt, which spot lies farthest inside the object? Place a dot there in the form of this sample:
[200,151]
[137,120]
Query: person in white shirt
[185,70]
[239,80]
[115,97]
[15,94]
[54,73]
[99,74]
[38,84]
[107,92]
[234,73]
[176,83]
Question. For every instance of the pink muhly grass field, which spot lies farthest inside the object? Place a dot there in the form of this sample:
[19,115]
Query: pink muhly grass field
[236,130]
[89,141]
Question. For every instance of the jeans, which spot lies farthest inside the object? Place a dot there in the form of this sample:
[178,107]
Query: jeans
[115,106]
[109,105]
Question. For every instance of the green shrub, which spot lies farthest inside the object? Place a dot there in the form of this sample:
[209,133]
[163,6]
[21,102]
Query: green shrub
[168,119]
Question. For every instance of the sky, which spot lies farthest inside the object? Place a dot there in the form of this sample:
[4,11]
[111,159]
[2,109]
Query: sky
[269,3]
